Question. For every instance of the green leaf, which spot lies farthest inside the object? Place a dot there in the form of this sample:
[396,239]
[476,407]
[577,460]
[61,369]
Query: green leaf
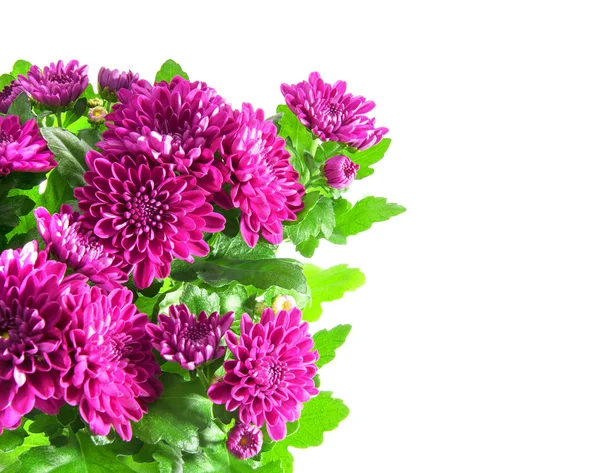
[78,455]
[70,153]
[169,70]
[353,220]
[5,79]
[322,413]
[368,157]
[290,127]
[320,219]
[90,135]
[169,458]
[329,285]
[233,298]
[20,67]
[237,248]
[199,300]
[11,439]
[177,415]
[57,192]
[328,341]
[21,106]
[78,110]
[11,209]
[9,459]
[263,273]
[216,459]
[307,248]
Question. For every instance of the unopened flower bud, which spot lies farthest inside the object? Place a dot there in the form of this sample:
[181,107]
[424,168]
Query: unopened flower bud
[340,171]
[95,102]
[244,441]
[97,115]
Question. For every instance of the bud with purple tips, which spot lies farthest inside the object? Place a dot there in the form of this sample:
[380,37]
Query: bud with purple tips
[340,171]
[244,441]
[110,81]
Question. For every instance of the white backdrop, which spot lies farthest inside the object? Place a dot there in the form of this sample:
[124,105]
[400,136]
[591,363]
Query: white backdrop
[475,343]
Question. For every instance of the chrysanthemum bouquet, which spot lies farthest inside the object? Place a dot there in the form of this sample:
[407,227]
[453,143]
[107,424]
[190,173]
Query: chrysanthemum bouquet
[146,324]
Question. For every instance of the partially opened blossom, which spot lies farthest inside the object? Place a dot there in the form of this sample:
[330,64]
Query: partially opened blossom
[244,441]
[283,302]
[187,339]
[180,124]
[8,94]
[22,148]
[56,86]
[79,248]
[331,113]
[264,185]
[110,81]
[145,213]
[97,115]
[113,373]
[340,171]
[271,373]
[33,357]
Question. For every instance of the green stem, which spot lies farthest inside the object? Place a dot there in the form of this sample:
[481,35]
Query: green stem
[313,147]
[59,119]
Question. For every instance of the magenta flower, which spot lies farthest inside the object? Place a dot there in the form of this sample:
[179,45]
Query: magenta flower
[79,248]
[57,85]
[113,373]
[23,148]
[32,320]
[145,214]
[272,372]
[340,171]
[9,93]
[244,441]
[264,186]
[110,81]
[181,125]
[332,114]
[189,340]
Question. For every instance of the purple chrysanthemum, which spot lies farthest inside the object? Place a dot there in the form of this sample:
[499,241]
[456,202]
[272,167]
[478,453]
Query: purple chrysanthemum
[145,214]
[180,124]
[79,248]
[22,148]
[56,86]
[340,171]
[113,373]
[332,114]
[189,340]
[110,81]
[264,186]
[272,372]
[244,441]
[32,320]
[9,93]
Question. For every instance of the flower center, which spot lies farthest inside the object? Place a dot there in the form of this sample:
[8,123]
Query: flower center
[60,78]
[272,371]
[144,211]
[197,333]
[5,138]
[7,322]
[287,305]
[348,170]
[247,440]
[118,347]
[333,109]
[6,91]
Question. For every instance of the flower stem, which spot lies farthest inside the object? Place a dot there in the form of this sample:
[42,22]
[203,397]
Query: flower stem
[313,148]
[59,119]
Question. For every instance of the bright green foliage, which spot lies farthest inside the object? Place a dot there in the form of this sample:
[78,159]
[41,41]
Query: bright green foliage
[329,285]
[21,107]
[351,220]
[69,152]
[169,70]
[20,67]
[368,157]
[328,341]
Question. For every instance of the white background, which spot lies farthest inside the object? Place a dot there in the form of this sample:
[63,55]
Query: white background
[476,341]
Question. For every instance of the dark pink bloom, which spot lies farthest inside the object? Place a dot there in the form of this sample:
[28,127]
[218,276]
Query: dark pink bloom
[145,213]
[189,340]
[180,124]
[264,186]
[32,320]
[244,441]
[57,85]
[332,114]
[113,373]
[79,248]
[110,81]
[9,93]
[23,148]
[340,171]
[271,373]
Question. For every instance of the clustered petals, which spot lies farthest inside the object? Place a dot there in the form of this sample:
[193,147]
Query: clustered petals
[331,113]
[340,171]
[264,185]
[22,148]
[33,357]
[188,340]
[145,214]
[113,373]
[78,247]
[244,441]
[110,81]
[8,94]
[57,85]
[271,373]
